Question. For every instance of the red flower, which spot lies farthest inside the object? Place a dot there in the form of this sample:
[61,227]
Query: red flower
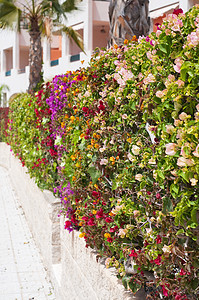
[182,272]
[95,194]
[133,253]
[91,222]
[159,239]
[157,261]
[177,11]
[67,224]
[158,196]
[101,106]
[108,220]
[113,229]
[110,239]
[85,109]
[165,292]
[99,214]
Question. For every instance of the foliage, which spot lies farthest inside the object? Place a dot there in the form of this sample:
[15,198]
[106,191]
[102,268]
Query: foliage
[3,122]
[124,151]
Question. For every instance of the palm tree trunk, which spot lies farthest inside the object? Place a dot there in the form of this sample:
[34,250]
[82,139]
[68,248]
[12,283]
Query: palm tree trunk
[127,19]
[35,57]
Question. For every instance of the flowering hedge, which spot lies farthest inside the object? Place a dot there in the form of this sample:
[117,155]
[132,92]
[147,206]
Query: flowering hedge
[118,143]
[3,121]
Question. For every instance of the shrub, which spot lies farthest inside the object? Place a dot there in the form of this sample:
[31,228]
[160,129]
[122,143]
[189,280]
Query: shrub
[124,155]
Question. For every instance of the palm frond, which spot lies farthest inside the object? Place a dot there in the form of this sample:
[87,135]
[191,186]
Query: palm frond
[9,13]
[74,35]
[69,6]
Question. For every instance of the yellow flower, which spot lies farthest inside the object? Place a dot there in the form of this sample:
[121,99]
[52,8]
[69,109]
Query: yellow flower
[92,141]
[82,135]
[129,140]
[78,165]
[73,157]
[69,105]
[94,212]
[96,146]
[72,118]
[66,117]
[82,234]
[126,41]
[89,147]
[74,178]
[112,158]
[107,235]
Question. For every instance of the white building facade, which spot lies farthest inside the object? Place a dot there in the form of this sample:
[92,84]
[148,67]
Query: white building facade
[91,21]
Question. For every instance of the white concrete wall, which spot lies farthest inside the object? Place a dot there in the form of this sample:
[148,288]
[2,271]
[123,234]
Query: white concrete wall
[73,269]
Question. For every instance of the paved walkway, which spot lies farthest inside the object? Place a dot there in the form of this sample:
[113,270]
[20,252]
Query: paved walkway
[22,275]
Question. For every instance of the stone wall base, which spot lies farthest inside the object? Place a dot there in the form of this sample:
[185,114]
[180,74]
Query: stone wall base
[72,268]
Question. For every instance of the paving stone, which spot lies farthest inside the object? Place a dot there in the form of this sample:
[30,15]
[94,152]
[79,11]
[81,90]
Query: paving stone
[22,274]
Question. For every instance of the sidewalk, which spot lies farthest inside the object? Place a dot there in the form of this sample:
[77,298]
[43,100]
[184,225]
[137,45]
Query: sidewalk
[22,275]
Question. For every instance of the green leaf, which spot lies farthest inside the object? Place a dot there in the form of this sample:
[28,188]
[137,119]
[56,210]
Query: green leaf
[174,189]
[180,231]
[94,173]
[167,205]
[164,48]
[125,280]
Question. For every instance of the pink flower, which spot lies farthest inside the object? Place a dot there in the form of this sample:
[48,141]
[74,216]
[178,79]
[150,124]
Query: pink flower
[180,83]
[183,162]
[171,149]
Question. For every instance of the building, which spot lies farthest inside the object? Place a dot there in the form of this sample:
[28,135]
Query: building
[61,54]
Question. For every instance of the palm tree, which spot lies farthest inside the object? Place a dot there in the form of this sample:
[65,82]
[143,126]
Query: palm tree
[127,19]
[40,16]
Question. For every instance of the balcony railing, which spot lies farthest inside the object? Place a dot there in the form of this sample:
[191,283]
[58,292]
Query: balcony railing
[75,57]
[20,71]
[8,73]
[54,62]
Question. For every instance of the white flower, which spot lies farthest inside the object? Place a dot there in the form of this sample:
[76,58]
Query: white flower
[130,157]
[171,149]
[170,129]
[135,150]
[183,116]
[152,161]
[183,162]
[193,181]
[103,161]
[138,177]
[196,152]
